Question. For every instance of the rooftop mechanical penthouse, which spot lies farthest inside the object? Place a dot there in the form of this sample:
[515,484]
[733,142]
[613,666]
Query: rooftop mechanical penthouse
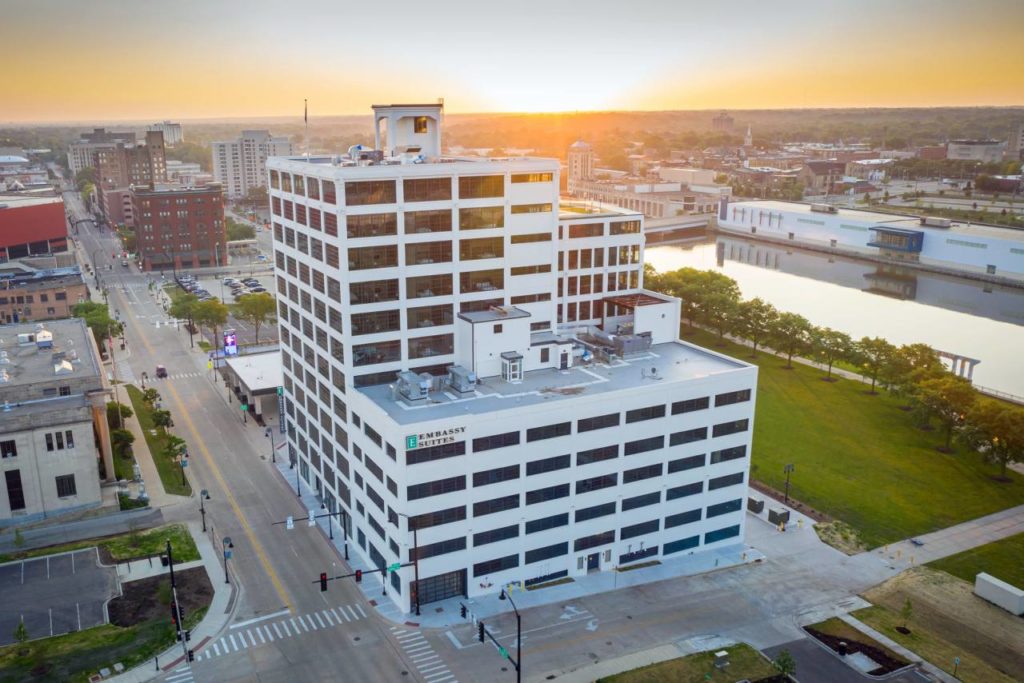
[464,360]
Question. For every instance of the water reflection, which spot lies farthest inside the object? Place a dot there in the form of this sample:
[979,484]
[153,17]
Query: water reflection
[863,298]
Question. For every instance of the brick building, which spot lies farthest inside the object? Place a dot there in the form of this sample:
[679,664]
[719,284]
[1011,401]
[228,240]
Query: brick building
[31,225]
[179,227]
[41,295]
[123,166]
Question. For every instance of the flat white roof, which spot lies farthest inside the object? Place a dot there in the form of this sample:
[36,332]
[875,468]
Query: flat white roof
[258,371]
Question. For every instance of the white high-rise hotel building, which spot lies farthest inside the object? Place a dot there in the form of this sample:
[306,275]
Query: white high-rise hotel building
[461,360]
[241,164]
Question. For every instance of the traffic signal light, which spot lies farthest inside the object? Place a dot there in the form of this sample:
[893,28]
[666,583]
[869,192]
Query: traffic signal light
[188,636]
[191,655]
[323,581]
[463,611]
[359,575]
[480,630]
[174,614]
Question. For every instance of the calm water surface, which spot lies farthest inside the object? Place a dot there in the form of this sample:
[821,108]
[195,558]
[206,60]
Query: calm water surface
[865,299]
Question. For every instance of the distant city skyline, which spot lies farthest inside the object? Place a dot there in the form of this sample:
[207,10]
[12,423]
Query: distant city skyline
[108,60]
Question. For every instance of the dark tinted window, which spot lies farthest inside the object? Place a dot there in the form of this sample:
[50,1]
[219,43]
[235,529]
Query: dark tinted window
[734,453]
[690,405]
[634,530]
[641,501]
[495,535]
[448,450]
[640,473]
[688,463]
[688,436]
[436,488]
[548,431]
[648,413]
[547,552]
[559,462]
[652,443]
[727,480]
[596,483]
[486,443]
[682,518]
[595,511]
[438,518]
[496,475]
[734,427]
[725,508]
[487,507]
[597,454]
[589,424]
[544,523]
[548,493]
[685,490]
[732,397]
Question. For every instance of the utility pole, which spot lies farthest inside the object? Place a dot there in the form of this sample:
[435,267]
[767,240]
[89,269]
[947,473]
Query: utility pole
[788,469]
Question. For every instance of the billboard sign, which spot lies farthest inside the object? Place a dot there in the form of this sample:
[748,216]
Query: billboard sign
[230,343]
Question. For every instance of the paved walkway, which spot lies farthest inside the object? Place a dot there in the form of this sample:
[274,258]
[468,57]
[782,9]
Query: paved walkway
[145,569]
[216,620]
[898,649]
[954,539]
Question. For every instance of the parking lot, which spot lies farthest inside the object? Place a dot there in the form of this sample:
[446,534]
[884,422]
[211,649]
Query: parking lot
[245,331]
[55,594]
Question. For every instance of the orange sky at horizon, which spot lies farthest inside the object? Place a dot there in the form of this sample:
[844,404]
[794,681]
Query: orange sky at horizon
[125,62]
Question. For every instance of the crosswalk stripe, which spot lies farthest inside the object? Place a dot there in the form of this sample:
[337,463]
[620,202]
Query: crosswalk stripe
[423,657]
[449,677]
[328,617]
[284,625]
[251,637]
[259,632]
[408,634]
[433,667]
[440,675]
[234,645]
[303,622]
[419,649]
[360,608]
[270,635]
[335,613]
[319,620]
[216,649]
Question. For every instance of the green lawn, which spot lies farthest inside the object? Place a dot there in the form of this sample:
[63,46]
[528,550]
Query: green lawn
[73,657]
[166,465]
[744,662]
[126,546]
[858,457]
[1002,559]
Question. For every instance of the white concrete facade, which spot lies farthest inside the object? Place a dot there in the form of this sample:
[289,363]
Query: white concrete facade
[172,132]
[970,248]
[575,450]
[241,164]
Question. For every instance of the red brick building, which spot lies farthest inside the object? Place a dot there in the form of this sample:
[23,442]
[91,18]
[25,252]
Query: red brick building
[123,166]
[31,225]
[180,227]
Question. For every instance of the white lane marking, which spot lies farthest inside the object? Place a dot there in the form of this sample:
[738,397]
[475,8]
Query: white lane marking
[449,677]
[277,631]
[259,632]
[327,616]
[234,645]
[437,675]
[284,625]
[419,648]
[360,608]
[269,634]
[257,619]
[319,620]
[433,667]
[303,622]
[335,613]
[251,637]
[420,658]
[216,649]
[408,637]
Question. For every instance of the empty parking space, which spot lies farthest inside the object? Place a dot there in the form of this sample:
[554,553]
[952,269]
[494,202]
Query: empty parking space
[55,594]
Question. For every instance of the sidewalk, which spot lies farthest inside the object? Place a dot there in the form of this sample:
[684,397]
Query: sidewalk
[952,540]
[445,613]
[158,498]
[217,616]
[898,649]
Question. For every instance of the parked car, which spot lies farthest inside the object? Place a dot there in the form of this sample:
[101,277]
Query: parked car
[251,281]
[229,281]
[257,290]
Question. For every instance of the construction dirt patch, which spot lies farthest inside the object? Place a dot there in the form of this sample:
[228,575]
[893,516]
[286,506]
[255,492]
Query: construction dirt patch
[947,607]
[147,599]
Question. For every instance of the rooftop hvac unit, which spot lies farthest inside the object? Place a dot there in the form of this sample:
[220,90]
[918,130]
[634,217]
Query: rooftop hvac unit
[824,208]
[44,339]
[412,387]
[632,343]
[461,379]
[936,222]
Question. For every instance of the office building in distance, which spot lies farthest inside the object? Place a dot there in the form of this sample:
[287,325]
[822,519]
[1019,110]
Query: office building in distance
[241,164]
[81,153]
[171,132]
[481,383]
[53,421]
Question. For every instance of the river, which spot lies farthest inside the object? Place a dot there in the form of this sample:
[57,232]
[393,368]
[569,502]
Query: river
[903,305]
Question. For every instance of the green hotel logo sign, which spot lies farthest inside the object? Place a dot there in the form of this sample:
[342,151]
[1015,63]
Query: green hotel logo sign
[435,438]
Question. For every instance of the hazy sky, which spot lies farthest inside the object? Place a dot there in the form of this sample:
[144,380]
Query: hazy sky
[108,59]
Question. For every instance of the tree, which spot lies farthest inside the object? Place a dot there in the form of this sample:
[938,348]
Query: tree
[238,231]
[911,364]
[907,612]
[790,335]
[948,398]
[784,663]
[161,418]
[97,317]
[684,284]
[830,345]
[257,196]
[115,420]
[997,430]
[184,308]
[87,176]
[873,354]
[121,440]
[755,319]
[256,309]
[211,314]
[21,633]
[150,396]
[721,311]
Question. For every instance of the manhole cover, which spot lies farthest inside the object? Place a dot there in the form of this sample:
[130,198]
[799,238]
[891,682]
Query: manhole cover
[356,638]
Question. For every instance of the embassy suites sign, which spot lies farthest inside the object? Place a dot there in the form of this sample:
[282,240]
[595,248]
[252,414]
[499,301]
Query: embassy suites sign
[435,438]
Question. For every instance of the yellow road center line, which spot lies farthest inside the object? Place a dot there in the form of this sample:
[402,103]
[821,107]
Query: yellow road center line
[260,553]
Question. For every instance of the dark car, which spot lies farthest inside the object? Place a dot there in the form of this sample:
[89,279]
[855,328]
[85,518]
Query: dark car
[161,371]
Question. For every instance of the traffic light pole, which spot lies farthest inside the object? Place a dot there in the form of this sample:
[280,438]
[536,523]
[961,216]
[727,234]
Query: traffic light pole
[483,634]
[344,525]
[176,614]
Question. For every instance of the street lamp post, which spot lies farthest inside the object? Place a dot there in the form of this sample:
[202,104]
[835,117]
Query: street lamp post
[203,495]
[294,465]
[415,559]
[330,518]
[519,635]
[788,469]
[226,545]
[269,433]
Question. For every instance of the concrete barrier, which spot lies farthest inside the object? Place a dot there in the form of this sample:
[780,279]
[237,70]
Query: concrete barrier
[999,593]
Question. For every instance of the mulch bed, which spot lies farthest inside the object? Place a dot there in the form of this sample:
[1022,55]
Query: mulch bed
[779,497]
[777,678]
[886,663]
[140,601]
